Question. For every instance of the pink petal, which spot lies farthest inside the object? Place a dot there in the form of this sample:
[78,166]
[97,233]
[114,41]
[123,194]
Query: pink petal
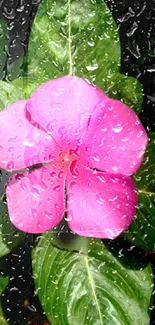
[116,140]
[22,143]
[36,199]
[63,107]
[100,204]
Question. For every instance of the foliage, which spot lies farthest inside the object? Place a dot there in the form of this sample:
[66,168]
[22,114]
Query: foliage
[93,286]
[142,230]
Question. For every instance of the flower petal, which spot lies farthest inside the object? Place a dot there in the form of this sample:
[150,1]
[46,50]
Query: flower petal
[100,205]
[116,140]
[63,107]
[22,143]
[36,199]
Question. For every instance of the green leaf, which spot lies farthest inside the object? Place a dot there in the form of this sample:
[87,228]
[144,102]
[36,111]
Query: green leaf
[10,237]
[8,71]
[80,38]
[9,93]
[3,284]
[15,69]
[124,88]
[73,37]
[96,287]
[3,46]
[142,230]
[17,89]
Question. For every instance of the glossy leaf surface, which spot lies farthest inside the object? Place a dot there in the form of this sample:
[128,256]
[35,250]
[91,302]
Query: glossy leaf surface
[93,286]
[142,230]
[80,38]
[3,47]
[10,237]
[3,284]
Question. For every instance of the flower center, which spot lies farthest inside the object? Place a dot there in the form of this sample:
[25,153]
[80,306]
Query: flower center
[66,160]
[69,160]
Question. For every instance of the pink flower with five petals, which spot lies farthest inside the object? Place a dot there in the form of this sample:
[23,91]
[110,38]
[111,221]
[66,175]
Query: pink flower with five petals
[87,146]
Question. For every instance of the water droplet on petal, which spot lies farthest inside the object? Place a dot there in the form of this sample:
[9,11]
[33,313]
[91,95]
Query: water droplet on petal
[56,188]
[117,129]
[13,140]
[60,175]
[10,165]
[11,149]
[52,174]
[56,205]
[20,224]
[70,197]
[35,192]
[61,130]
[96,156]
[34,212]
[23,186]
[73,184]
[48,215]
[49,127]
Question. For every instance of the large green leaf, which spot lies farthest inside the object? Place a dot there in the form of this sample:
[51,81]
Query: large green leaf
[93,52]
[80,38]
[10,237]
[91,287]
[3,46]
[73,37]
[3,284]
[142,230]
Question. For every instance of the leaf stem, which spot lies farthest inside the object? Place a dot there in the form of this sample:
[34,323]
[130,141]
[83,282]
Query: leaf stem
[93,289]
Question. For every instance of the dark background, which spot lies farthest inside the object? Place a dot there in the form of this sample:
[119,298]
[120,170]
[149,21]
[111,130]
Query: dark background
[136,21]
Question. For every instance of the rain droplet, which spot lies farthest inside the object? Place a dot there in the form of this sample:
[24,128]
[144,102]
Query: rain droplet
[52,174]
[92,68]
[11,149]
[10,165]
[73,185]
[56,188]
[34,212]
[35,192]
[13,140]
[23,186]
[118,129]
[61,130]
[60,175]
[70,197]
[48,215]
[49,127]
[96,156]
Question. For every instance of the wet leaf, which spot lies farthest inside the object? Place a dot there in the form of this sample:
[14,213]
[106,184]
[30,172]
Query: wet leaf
[70,40]
[12,91]
[10,237]
[9,94]
[74,37]
[91,287]
[80,38]
[124,88]
[3,46]
[15,69]
[142,230]
[3,285]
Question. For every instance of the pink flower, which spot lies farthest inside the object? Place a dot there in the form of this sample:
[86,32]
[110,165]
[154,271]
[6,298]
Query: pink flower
[87,144]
